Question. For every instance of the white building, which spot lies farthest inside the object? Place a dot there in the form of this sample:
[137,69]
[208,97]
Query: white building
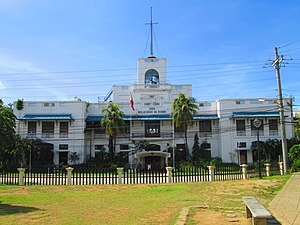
[225,124]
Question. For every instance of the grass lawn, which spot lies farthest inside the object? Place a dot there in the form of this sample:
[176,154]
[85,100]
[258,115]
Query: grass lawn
[126,204]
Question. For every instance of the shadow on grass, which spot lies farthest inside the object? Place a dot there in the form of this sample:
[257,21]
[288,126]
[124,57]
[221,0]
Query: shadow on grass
[6,209]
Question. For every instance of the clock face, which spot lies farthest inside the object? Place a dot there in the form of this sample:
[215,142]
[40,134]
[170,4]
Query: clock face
[151,77]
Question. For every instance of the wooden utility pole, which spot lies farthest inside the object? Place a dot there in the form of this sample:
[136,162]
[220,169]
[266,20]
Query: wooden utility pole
[276,64]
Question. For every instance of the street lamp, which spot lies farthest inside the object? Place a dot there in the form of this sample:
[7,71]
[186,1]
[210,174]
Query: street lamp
[257,123]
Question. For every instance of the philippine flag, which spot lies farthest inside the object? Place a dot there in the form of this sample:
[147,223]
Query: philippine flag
[131,103]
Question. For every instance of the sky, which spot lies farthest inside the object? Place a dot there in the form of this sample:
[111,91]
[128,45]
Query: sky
[56,50]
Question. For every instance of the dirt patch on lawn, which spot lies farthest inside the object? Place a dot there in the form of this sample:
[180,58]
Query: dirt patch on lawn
[210,217]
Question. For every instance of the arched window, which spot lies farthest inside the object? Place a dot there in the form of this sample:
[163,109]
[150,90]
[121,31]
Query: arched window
[151,77]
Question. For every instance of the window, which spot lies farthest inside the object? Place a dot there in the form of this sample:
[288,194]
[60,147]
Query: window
[151,77]
[49,104]
[205,128]
[99,132]
[240,128]
[63,129]
[99,147]
[127,127]
[204,104]
[241,145]
[124,147]
[240,102]
[31,129]
[273,127]
[48,129]
[63,158]
[178,129]
[93,124]
[152,128]
[63,147]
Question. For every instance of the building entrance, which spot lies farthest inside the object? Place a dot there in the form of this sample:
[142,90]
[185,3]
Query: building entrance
[153,162]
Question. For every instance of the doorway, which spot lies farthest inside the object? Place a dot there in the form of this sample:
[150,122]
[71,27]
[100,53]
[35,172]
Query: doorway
[243,156]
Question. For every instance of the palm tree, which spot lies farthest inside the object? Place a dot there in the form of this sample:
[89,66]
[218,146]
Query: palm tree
[114,125]
[183,109]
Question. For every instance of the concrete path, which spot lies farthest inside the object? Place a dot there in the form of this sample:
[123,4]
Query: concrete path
[285,206]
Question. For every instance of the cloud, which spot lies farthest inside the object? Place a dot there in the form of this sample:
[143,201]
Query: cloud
[2,86]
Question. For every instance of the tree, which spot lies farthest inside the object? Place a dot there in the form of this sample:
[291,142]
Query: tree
[297,127]
[7,131]
[183,109]
[196,149]
[140,145]
[272,149]
[114,125]
[294,157]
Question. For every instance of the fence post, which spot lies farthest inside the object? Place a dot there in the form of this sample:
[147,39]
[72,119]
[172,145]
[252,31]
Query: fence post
[268,166]
[120,175]
[244,171]
[211,171]
[169,174]
[69,175]
[281,168]
[21,176]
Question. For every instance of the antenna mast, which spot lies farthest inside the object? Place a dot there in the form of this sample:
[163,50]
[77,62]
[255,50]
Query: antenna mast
[151,32]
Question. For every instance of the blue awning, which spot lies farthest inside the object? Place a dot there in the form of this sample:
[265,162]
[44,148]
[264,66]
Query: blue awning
[94,118]
[254,114]
[47,117]
[206,117]
[153,117]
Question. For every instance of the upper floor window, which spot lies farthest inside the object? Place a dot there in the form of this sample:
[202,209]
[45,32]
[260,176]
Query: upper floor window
[47,129]
[178,129]
[205,127]
[49,104]
[204,104]
[240,128]
[31,128]
[273,127]
[99,132]
[240,102]
[63,129]
[152,128]
[151,77]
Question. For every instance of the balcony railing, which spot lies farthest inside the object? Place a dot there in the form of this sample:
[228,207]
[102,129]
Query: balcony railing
[254,133]
[31,135]
[63,135]
[159,135]
[240,133]
[273,132]
[205,134]
[47,135]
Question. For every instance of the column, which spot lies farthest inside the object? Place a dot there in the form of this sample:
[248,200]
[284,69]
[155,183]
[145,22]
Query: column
[244,171]
[69,175]
[281,168]
[120,175]
[21,176]
[169,174]
[268,166]
[211,170]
